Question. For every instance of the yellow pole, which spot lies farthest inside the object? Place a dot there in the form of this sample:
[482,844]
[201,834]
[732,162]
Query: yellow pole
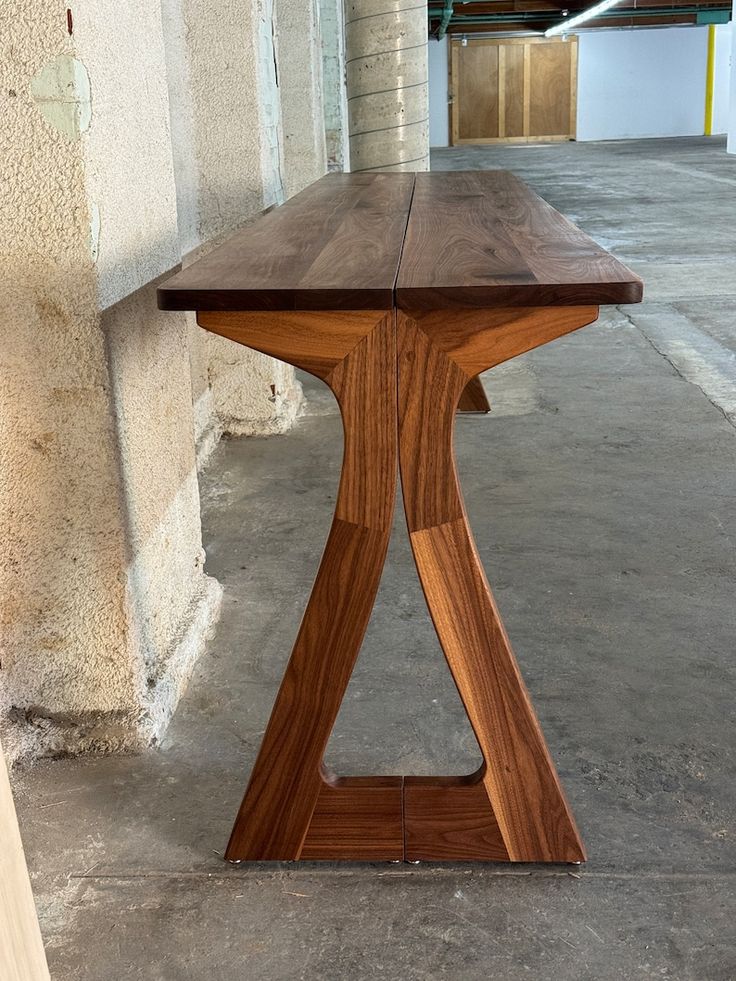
[710,73]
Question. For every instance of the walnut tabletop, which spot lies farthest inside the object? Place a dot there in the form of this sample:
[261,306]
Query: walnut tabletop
[334,246]
[361,241]
[399,290]
[483,238]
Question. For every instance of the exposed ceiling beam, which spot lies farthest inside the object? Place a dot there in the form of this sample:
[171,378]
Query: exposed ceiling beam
[590,13]
[539,26]
[489,7]
[492,16]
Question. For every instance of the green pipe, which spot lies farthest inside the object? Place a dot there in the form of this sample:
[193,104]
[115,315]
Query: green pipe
[514,17]
[715,15]
[446,18]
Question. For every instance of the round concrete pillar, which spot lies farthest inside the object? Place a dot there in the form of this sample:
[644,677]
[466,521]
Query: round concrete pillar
[386,62]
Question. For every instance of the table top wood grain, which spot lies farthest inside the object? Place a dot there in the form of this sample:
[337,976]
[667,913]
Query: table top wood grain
[334,246]
[485,239]
[418,241]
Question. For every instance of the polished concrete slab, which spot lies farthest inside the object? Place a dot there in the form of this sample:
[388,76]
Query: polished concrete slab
[601,489]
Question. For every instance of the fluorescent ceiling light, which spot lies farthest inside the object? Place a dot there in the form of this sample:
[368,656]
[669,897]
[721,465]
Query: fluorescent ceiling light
[565,26]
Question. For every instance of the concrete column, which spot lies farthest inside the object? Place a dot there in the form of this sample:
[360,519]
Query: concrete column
[387,83]
[228,158]
[334,92]
[103,602]
[732,103]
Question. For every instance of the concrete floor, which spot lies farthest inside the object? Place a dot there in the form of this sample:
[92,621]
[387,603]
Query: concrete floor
[601,490]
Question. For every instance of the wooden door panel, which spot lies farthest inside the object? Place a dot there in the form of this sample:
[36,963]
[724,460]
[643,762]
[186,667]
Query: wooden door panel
[549,96]
[477,92]
[513,90]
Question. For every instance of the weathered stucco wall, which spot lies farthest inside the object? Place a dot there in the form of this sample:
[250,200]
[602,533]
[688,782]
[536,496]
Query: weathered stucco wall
[299,59]
[63,528]
[104,604]
[129,174]
[232,156]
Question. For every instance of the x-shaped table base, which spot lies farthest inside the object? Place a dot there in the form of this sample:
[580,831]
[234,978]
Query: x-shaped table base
[398,378]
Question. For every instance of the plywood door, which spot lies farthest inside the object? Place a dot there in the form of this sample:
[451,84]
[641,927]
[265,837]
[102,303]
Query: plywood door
[476,71]
[551,79]
[513,90]
[511,84]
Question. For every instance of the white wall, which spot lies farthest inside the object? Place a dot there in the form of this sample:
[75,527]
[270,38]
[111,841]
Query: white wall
[439,133]
[636,83]
[722,79]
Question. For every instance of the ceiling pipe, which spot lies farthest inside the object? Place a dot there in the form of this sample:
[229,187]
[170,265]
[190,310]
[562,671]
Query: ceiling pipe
[569,22]
[446,18]
[624,12]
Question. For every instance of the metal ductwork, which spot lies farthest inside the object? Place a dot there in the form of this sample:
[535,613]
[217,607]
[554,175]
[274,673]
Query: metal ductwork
[387,84]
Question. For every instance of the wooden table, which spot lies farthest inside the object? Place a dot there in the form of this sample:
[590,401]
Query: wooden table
[398,290]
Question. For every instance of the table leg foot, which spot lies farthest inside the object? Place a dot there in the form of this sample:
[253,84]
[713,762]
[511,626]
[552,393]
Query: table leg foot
[357,819]
[450,819]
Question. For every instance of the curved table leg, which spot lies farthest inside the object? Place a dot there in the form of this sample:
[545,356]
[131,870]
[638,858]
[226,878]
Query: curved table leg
[291,808]
[474,398]
[514,807]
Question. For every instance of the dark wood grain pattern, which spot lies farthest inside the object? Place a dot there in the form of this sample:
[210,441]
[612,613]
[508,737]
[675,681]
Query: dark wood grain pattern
[476,340]
[316,342]
[516,810]
[334,246]
[287,781]
[359,819]
[447,818]
[522,789]
[484,239]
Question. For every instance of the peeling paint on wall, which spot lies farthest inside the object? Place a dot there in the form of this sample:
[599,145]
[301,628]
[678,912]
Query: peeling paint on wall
[270,108]
[61,90]
[335,103]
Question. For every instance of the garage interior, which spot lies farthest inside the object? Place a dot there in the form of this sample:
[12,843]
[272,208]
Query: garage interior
[169,496]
